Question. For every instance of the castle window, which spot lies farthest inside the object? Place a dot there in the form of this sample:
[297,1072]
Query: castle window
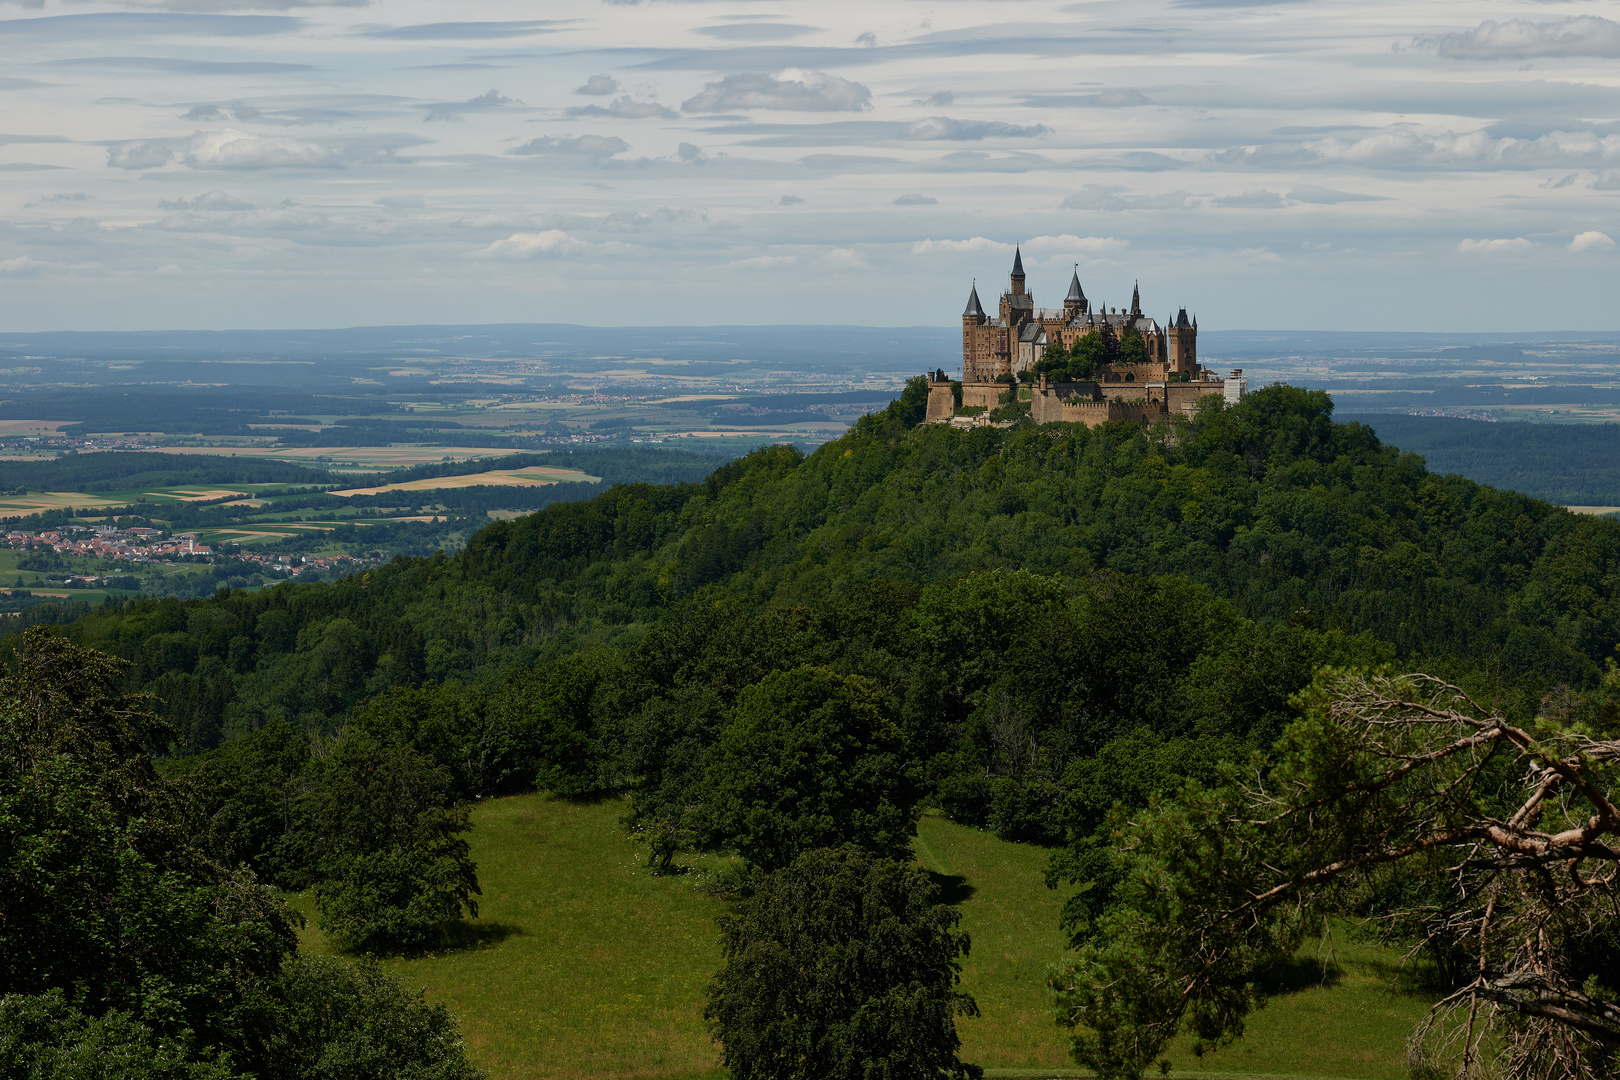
[1130,376]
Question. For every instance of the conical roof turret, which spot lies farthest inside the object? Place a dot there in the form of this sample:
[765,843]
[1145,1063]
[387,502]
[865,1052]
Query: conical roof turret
[1076,295]
[1136,299]
[1018,262]
[975,310]
[1181,319]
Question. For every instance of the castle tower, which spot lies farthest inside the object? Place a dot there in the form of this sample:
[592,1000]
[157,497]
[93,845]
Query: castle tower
[1136,301]
[1018,272]
[975,335]
[1074,305]
[1181,339]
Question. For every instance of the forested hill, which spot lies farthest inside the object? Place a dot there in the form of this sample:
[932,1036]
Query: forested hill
[1292,519]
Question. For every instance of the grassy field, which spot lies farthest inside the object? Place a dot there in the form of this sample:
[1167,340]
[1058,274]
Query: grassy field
[585,965]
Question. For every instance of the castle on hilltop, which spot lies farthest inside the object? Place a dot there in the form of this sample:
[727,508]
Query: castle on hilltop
[999,352]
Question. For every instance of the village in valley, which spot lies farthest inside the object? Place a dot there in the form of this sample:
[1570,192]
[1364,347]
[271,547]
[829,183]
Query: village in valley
[110,555]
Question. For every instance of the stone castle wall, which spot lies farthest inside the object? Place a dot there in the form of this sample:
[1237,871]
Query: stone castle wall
[987,394]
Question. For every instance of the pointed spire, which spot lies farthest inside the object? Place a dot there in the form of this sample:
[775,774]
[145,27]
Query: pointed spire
[1076,294]
[1136,299]
[975,310]
[1018,262]
[1181,319]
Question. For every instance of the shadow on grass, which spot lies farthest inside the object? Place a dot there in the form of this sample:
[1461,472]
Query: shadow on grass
[587,798]
[1299,973]
[457,937]
[953,888]
[465,935]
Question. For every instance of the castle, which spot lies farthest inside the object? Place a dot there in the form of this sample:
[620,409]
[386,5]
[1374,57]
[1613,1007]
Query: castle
[997,352]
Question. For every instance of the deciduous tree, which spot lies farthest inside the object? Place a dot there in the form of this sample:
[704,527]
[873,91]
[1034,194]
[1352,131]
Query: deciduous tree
[842,967]
[810,759]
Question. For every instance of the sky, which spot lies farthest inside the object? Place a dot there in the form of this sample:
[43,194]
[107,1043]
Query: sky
[1306,164]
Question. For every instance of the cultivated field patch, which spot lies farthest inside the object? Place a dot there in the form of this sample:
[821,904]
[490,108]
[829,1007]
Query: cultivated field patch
[38,502]
[194,494]
[32,427]
[533,476]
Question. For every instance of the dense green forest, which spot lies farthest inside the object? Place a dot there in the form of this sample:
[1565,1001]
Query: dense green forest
[1024,627]
[127,470]
[1285,516]
[1568,464]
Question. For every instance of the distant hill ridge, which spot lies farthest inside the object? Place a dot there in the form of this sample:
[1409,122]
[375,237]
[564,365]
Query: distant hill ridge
[1568,464]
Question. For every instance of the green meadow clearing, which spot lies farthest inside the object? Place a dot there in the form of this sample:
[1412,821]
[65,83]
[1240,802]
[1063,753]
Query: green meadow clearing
[583,964]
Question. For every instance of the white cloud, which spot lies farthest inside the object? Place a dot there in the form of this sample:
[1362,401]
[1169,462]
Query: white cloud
[1068,242]
[598,85]
[1404,148]
[1115,99]
[1591,241]
[212,200]
[762,262]
[234,5]
[792,91]
[1322,196]
[453,110]
[845,259]
[141,154]
[1519,39]
[590,146]
[22,266]
[943,127]
[1494,247]
[1117,197]
[1250,200]
[229,148]
[551,243]
[284,218]
[622,108]
[973,245]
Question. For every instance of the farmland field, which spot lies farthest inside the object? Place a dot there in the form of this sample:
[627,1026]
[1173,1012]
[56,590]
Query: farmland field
[533,476]
[36,502]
